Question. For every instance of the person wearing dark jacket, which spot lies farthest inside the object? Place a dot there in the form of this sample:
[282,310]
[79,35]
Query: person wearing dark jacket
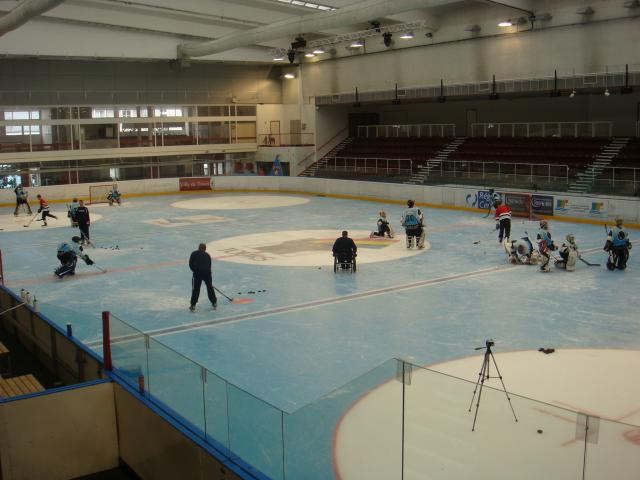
[200,265]
[344,248]
[82,217]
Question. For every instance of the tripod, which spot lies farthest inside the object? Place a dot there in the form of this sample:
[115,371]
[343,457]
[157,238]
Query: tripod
[484,375]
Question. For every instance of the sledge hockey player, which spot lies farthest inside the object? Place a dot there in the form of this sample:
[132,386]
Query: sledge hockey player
[568,254]
[71,212]
[68,256]
[383,226]
[545,245]
[44,208]
[114,196]
[344,249]
[21,199]
[618,246]
[521,252]
[413,223]
[503,220]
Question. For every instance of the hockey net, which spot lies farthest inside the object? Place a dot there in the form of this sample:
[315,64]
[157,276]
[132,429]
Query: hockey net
[98,193]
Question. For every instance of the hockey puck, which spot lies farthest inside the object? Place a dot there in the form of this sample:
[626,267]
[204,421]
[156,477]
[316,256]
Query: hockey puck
[539,431]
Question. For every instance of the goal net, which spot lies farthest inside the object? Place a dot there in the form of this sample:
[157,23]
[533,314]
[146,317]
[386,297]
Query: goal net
[98,193]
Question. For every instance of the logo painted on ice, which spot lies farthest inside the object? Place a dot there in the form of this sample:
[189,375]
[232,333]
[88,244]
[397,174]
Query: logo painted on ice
[472,199]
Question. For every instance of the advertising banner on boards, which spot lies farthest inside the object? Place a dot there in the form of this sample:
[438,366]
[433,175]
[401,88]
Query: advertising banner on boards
[195,183]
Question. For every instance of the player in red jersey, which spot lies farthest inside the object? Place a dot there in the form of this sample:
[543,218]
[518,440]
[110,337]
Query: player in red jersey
[503,220]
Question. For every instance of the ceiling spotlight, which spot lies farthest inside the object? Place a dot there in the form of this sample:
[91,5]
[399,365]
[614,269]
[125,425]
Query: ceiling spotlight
[357,44]
[607,92]
[289,76]
[278,59]
[319,51]
[407,36]
[386,38]
[506,23]
[309,55]
[428,35]
[299,42]
[291,55]
[573,93]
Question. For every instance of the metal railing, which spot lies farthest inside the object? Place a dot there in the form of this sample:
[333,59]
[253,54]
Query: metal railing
[618,180]
[542,129]
[531,173]
[286,139]
[612,77]
[368,165]
[400,131]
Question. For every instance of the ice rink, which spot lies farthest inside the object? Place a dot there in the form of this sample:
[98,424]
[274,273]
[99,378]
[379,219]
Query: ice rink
[302,332]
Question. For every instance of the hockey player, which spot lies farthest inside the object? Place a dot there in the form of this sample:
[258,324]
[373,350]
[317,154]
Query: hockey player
[44,208]
[72,209]
[503,220]
[68,256]
[383,226]
[545,245]
[114,196]
[344,249]
[618,246]
[413,223]
[21,199]
[83,219]
[568,254]
[521,252]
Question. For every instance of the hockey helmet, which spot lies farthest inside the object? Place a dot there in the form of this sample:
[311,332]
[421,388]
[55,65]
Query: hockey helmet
[619,221]
[410,203]
[570,238]
[382,213]
[75,239]
[544,224]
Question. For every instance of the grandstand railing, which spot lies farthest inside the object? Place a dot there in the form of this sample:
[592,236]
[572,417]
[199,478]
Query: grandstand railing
[400,131]
[286,139]
[618,180]
[376,166]
[542,129]
[551,176]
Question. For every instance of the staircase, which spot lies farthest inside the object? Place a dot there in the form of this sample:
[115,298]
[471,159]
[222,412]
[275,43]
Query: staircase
[312,169]
[587,178]
[433,163]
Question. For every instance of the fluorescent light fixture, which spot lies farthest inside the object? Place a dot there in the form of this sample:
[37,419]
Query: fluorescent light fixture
[289,76]
[318,51]
[357,44]
[278,59]
[506,23]
[407,35]
[309,55]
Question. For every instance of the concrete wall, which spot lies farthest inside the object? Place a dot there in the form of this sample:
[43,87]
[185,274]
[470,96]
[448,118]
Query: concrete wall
[459,57]
[62,435]
[67,82]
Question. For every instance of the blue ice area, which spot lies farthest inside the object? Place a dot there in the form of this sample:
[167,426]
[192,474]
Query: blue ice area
[293,359]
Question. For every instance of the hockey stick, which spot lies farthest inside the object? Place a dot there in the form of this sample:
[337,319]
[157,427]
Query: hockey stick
[237,301]
[225,296]
[587,263]
[31,221]
[99,268]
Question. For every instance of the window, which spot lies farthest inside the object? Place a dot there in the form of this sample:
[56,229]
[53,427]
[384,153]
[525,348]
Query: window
[102,113]
[167,112]
[128,113]
[19,130]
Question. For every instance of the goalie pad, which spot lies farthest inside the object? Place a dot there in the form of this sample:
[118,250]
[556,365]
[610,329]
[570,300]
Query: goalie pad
[571,260]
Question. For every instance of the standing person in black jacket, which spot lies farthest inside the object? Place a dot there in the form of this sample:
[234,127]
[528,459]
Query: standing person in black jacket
[83,220]
[200,265]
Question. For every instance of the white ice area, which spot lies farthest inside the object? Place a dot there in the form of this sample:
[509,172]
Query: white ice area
[308,248]
[172,222]
[240,202]
[11,223]
[439,443]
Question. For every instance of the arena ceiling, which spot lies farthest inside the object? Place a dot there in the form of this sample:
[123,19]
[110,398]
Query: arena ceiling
[227,30]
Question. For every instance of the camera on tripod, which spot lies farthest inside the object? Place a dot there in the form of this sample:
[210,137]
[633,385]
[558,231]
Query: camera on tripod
[489,342]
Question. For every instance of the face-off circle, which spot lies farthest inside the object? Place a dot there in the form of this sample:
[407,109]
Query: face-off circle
[240,202]
[306,248]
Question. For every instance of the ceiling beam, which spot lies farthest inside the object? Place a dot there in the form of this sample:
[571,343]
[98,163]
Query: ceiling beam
[352,14]
[24,12]
[525,6]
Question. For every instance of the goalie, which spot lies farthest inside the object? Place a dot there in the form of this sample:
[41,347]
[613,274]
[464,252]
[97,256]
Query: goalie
[68,256]
[545,245]
[618,246]
[568,254]
[114,196]
[521,252]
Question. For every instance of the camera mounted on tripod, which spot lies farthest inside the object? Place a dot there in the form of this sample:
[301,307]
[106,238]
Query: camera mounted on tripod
[487,344]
